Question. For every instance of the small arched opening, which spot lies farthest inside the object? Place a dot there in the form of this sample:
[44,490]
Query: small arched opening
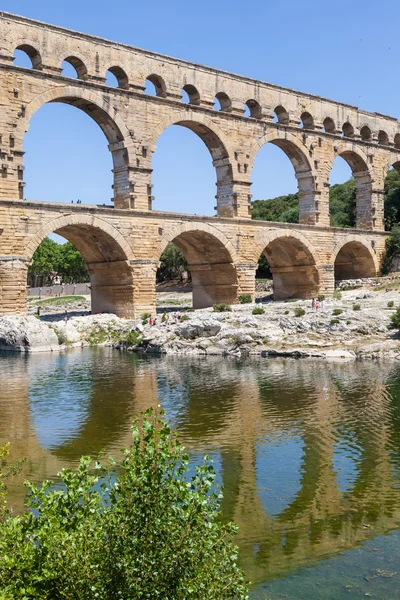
[307,121]
[329,125]
[116,77]
[293,268]
[281,115]
[253,109]
[211,267]
[347,130]
[26,55]
[383,138]
[365,133]
[222,102]
[353,261]
[74,67]
[190,95]
[397,140]
[155,86]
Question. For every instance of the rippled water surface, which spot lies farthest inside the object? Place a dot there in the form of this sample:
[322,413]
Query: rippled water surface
[308,452]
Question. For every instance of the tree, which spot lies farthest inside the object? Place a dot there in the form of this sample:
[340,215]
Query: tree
[172,264]
[392,199]
[150,531]
[44,263]
[342,204]
[284,209]
[71,266]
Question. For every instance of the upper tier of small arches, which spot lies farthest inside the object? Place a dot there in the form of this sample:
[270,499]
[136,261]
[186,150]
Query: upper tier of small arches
[251,108]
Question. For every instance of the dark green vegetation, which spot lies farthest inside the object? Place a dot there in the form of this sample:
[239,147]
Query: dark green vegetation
[342,204]
[152,531]
[173,264]
[51,259]
[395,318]
[299,312]
[258,310]
[245,299]
[61,301]
[221,308]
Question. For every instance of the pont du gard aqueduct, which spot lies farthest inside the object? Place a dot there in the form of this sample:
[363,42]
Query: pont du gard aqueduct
[122,244]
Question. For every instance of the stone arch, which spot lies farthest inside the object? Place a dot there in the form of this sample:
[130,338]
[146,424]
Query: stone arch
[383,138]
[297,154]
[214,139]
[307,120]
[397,140]
[354,258]
[120,75]
[329,125]
[33,53]
[211,259]
[282,115]
[254,108]
[224,101]
[366,133]
[193,94]
[293,261]
[107,119]
[358,163]
[348,129]
[79,65]
[159,85]
[107,255]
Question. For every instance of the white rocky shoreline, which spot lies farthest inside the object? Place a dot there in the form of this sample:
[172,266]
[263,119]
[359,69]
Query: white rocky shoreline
[337,332]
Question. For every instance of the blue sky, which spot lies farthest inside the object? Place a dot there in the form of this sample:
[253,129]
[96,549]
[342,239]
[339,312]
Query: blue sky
[342,50]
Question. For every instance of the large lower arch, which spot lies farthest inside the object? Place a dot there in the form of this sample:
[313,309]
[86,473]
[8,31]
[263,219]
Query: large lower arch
[303,171]
[211,261]
[294,265]
[358,164]
[353,259]
[107,256]
[213,138]
[109,122]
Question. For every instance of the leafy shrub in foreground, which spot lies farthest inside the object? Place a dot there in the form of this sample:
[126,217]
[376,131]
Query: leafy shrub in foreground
[150,532]
[258,310]
[337,311]
[390,304]
[356,306]
[245,299]
[299,312]
[337,295]
[222,308]
[395,318]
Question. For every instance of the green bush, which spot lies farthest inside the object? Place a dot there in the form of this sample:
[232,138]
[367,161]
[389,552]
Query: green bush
[222,308]
[337,311]
[356,306]
[337,295]
[321,297]
[258,310]
[390,304]
[334,321]
[286,312]
[395,318]
[245,299]
[348,322]
[150,531]
[299,312]
[133,338]
[184,318]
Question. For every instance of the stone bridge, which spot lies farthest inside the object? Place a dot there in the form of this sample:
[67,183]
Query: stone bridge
[234,116]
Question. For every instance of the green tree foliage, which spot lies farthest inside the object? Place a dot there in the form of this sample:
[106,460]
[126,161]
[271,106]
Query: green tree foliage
[392,199]
[284,209]
[342,204]
[172,264]
[71,265]
[151,531]
[392,249]
[51,259]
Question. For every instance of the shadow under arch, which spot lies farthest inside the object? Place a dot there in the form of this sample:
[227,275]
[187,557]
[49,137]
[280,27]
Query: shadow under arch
[302,168]
[213,138]
[106,254]
[358,164]
[98,109]
[294,265]
[211,262]
[353,259]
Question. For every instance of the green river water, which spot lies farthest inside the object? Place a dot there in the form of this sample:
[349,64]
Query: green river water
[308,452]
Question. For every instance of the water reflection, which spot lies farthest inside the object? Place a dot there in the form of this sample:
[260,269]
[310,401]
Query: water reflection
[308,452]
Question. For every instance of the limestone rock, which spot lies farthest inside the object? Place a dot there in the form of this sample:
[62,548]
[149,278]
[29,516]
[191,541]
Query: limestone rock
[26,334]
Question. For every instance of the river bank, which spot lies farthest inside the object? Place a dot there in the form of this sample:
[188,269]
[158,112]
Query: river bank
[353,324]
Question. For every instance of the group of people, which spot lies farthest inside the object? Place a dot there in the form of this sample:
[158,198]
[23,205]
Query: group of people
[316,305]
[167,318]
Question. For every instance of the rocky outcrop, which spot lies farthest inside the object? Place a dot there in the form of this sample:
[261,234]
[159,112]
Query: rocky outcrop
[20,334]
